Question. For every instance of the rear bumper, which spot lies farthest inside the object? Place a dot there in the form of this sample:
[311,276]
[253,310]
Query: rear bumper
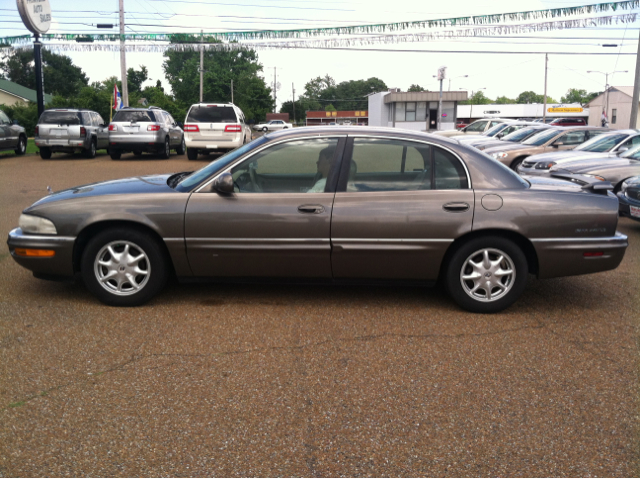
[61,144]
[566,256]
[59,265]
[212,144]
[136,146]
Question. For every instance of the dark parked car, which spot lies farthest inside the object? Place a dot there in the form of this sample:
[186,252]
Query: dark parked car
[12,136]
[629,197]
[333,204]
[568,122]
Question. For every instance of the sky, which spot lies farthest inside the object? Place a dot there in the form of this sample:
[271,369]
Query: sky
[489,67]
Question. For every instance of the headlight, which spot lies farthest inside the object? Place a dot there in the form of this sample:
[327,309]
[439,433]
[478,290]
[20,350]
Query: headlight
[624,186]
[596,177]
[499,155]
[35,224]
[544,166]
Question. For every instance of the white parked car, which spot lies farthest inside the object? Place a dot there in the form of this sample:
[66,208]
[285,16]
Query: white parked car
[214,127]
[273,125]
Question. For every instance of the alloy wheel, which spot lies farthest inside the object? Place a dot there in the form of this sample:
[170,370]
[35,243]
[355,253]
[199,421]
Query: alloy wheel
[487,275]
[122,268]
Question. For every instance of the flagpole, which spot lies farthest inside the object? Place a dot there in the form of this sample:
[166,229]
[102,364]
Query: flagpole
[110,108]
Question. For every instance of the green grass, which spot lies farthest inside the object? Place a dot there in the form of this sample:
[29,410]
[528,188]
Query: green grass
[31,146]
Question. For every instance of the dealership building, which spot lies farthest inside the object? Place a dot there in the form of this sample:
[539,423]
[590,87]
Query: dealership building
[353,117]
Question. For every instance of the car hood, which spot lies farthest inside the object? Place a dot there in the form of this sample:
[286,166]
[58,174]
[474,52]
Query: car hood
[568,156]
[509,147]
[585,166]
[125,186]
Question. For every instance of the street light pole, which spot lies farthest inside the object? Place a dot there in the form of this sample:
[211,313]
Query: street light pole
[633,121]
[123,59]
[606,88]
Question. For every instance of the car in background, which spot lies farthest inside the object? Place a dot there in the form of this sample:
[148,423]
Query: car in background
[568,122]
[273,125]
[497,132]
[517,136]
[554,138]
[69,131]
[614,142]
[332,205]
[12,136]
[476,128]
[214,127]
[138,130]
[629,198]
[461,124]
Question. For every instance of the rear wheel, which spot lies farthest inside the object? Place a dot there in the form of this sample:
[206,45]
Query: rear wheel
[124,267]
[265,129]
[517,162]
[91,151]
[486,275]
[21,149]
[115,155]
[192,153]
[45,152]
[166,152]
[182,148]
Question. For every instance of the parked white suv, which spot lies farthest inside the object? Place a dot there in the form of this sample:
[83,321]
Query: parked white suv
[214,127]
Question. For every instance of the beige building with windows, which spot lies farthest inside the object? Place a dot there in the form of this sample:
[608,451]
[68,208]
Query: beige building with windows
[11,94]
[618,109]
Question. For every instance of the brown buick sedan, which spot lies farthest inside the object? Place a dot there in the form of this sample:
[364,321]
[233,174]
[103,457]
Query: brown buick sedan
[326,204]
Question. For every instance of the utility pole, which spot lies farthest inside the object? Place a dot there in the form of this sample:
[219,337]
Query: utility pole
[275,89]
[442,72]
[231,91]
[633,121]
[201,64]
[294,103]
[37,56]
[123,60]
[546,65]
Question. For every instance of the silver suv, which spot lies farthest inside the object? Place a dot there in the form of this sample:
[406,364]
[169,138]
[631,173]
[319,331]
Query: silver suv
[70,131]
[138,130]
[12,136]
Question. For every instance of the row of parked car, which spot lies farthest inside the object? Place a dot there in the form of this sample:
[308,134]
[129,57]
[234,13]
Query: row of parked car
[579,154]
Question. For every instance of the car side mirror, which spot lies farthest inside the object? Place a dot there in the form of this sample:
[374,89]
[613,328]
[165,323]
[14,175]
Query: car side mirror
[180,124]
[558,143]
[223,184]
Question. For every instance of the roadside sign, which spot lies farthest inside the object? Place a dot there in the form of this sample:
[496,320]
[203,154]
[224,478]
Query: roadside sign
[35,14]
[564,110]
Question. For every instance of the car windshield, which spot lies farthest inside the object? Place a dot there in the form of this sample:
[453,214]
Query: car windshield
[601,143]
[212,114]
[521,134]
[60,118]
[197,177]
[542,138]
[133,115]
[476,126]
[496,129]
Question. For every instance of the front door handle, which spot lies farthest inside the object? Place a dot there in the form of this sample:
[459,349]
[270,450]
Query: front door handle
[311,209]
[456,207]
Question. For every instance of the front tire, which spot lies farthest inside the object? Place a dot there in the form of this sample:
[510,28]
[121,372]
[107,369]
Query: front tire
[182,148]
[45,152]
[192,153]
[516,163]
[166,152]
[21,149]
[487,274]
[91,151]
[265,129]
[124,267]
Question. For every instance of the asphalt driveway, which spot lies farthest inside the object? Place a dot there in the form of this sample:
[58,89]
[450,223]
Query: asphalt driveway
[282,380]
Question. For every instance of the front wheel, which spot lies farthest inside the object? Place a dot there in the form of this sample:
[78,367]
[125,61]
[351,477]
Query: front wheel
[166,151]
[21,149]
[182,148]
[91,151]
[124,267]
[265,129]
[516,163]
[45,152]
[486,275]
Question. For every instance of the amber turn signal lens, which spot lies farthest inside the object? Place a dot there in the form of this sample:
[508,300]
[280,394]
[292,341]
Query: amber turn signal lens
[37,253]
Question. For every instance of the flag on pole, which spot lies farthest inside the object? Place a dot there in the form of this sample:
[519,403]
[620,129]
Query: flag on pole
[117,98]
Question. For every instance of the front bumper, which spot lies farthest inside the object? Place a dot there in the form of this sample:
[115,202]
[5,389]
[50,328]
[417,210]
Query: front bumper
[566,256]
[59,265]
[625,203]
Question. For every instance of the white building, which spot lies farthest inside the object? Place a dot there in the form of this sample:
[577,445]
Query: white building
[469,113]
[414,110]
[618,109]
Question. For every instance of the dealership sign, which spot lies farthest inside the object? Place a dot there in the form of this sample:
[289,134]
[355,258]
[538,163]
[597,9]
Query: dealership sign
[35,14]
[565,110]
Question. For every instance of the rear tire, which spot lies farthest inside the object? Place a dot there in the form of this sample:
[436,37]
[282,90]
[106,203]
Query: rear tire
[182,148]
[517,162]
[45,152]
[21,149]
[124,267]
[166,152]
[91,151]
[486,274]
[115,155]
[265,129]
[192,153]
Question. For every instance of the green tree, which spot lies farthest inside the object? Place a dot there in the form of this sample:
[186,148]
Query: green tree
[314,87]
[26,115]
[61,76]
[503,100]
[330,108]
[135,78]
[416,88]
[301,109]
[250,93]
[477,98]
[532,97]
[574,95]
[347,95]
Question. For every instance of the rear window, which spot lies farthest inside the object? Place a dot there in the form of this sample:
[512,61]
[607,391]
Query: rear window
[133,115]
[212,114]
[60,118]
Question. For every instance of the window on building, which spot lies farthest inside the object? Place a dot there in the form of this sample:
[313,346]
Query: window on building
[410,114]
[400,106]
[614,116]
[410,111]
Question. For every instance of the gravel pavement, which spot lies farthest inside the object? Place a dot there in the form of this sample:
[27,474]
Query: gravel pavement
[282,380]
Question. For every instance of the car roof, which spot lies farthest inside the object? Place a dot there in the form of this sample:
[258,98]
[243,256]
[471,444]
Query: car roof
[213,104]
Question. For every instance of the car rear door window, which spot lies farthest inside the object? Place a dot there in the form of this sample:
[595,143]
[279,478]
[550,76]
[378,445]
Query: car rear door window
[212,114]
[293,167]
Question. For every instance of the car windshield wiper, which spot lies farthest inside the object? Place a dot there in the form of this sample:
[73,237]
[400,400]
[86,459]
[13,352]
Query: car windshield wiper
[173,180]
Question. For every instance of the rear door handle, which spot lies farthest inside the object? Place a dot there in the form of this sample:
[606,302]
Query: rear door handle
[455,207]
[311,209]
